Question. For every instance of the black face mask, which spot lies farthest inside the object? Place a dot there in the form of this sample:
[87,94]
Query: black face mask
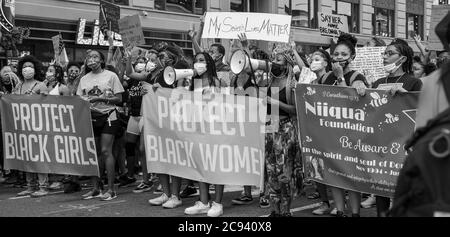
[345,62]
[277,69]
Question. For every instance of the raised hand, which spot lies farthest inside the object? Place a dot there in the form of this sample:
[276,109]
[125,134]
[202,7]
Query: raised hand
[243,38]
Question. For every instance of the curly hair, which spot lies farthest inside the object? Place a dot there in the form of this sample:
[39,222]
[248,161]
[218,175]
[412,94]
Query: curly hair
[349,41]
[38,68]
[210,70]
[59,73]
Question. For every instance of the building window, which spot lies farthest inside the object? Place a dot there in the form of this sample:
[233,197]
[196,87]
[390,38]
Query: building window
[304,12]
[349,8]
[197,7]
[414,25]
[383,21]
[443,2]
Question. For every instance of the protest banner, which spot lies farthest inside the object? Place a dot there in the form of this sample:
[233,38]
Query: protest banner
[332,25]
[109,16]
[217,140]
[369,62]
[257,26]
[354,142]
[131,31]
[41,135]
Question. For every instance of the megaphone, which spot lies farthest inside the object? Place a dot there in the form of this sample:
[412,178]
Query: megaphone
[240,62]
[171,75]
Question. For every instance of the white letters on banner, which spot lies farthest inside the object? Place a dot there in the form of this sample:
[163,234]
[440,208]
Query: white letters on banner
[257,26]
[332,25]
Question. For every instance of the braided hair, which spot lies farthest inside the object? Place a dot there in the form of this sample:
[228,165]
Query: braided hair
[406,51]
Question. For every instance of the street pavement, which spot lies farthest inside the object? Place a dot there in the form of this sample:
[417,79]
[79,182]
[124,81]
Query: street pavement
[129,204]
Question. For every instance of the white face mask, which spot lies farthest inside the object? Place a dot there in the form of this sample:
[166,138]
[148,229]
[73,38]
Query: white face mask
[28,73]
[150,67]
[200,68]
[316,66]
[49,75]
[393,67]
[139,67]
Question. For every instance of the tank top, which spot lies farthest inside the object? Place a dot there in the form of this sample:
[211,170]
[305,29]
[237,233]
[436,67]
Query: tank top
[55,91]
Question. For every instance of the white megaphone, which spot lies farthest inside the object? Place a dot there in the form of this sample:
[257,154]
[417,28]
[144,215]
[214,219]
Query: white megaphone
[171,75]
[240,62]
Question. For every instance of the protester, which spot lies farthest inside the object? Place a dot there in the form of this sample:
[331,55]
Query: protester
[29,69]
[73,77]
[343,54]
[54,80]
[103,90]
[205,81]
[9,80]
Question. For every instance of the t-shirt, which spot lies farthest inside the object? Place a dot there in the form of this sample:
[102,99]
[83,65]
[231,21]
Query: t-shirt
[408,82]
[332,79]
[103,84]
[135,93]
[432,100]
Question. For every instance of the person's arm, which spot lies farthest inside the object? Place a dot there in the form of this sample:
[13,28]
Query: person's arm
[116,99]
[423,51]
[110,48]
[298,59]
[244,43]
[283,106]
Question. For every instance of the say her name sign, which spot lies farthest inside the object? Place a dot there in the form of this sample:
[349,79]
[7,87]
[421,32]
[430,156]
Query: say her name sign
[354,142]
[257,26]
[48,134]
[216,140]
[332,25]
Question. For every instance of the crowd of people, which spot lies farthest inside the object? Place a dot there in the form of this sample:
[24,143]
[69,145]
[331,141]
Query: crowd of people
[116,99]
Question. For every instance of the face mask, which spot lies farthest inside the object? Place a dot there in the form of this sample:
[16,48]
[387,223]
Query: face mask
[49,75]
[139,67]
[28,73]
[316,66]
[200,68]
[150,67]
[73,76]
[277,69]
[393,67]
[344,63]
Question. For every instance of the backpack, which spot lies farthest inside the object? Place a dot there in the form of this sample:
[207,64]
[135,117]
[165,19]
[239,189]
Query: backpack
[326,75]
[423,186]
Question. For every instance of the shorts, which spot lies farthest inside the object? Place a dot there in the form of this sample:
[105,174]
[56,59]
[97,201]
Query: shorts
[134,125]
[112,128]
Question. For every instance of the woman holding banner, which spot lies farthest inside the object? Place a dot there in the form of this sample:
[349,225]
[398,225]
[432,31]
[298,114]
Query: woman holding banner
[102,88]
[281,135]
[398,62]
[29,72]
[54,80]
[343,54]
[205,81]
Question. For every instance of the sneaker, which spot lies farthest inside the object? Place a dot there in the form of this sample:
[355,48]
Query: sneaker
[274,214]
[127,181]
[173,202]
[322,210]
[188,191]
[314,195]
[56,185]
[26,192]
[159,200]
[72,187]
[216,210]
[333,212]
[142,187]
[198,208]
[92,194]
[243,200]
[263,202]
[40,193]
[369,202]
[108,196]
[20,184]
[340,214]
[158,190]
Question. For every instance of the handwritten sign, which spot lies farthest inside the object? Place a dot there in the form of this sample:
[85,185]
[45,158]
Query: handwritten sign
[257,26]
[109,16]
[363,146]
[332,25]
[131,31]
[48,134]
[369,62]
[215,140]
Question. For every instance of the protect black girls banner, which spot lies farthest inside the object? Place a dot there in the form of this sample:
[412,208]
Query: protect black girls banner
[354,142]
[48,134]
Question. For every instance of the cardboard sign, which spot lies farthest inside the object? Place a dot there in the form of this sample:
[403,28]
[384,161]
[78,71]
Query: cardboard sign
[215,139]
[109,16]
[438,12]
[354,142]
[369,62]
[131,31]
[257,26]
[48,134]
[332,25]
